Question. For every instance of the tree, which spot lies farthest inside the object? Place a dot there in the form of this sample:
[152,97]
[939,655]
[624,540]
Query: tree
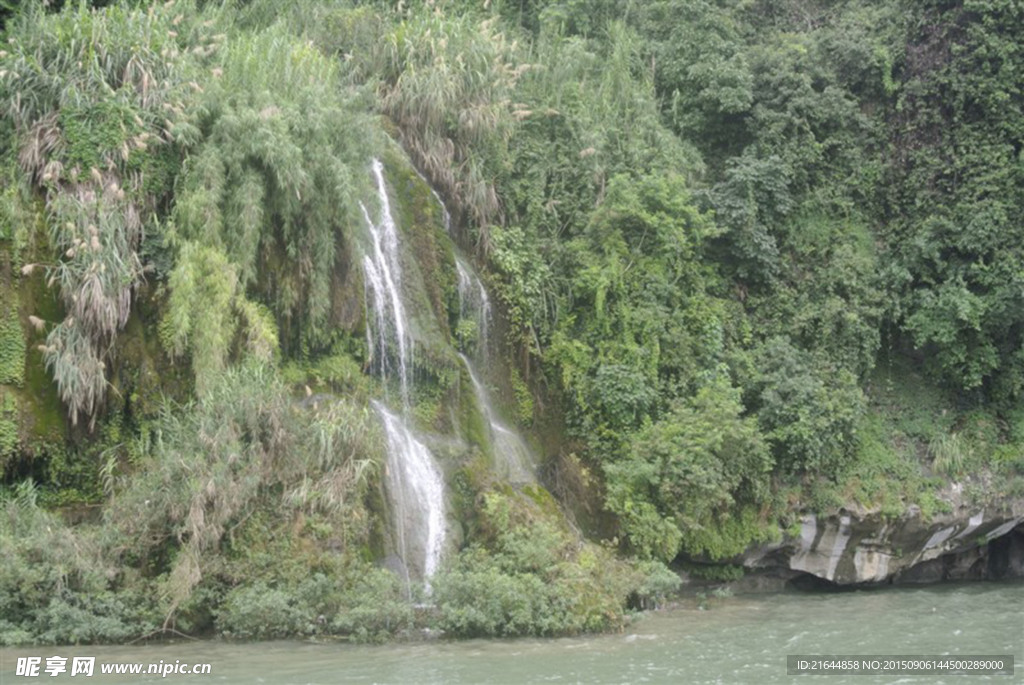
[687,474]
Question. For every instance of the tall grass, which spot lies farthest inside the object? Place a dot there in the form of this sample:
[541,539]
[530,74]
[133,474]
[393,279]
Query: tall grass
[273,188]
[98,100]
[241,447]
[448,82]
[949,453]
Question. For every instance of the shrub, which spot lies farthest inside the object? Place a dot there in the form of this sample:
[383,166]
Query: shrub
[807,408]
[241,447]
[60,585]
[685,478]
[261,612]
[658,582]
[477,598]
[528,576]
[91,617]
[373,605]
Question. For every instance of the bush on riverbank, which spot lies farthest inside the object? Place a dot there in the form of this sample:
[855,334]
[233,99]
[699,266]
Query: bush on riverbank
[60,585]
[529,576]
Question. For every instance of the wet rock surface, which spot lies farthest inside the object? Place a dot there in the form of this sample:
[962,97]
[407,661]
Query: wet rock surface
[850,547]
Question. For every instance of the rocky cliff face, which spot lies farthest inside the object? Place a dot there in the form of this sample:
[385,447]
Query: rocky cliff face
[850,547]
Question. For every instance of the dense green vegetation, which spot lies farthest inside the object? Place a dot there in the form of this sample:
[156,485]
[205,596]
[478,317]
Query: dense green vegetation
[750,259]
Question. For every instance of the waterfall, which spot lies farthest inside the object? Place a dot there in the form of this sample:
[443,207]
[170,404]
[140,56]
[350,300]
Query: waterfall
[474,304]
[416,490]
[383,277]
[413,480]
[510,450]
[511,454]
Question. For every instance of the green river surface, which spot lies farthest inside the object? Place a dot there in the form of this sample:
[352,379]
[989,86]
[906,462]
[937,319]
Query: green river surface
[742,639]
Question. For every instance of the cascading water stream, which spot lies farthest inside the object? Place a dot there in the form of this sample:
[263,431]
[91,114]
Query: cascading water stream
[510,450]
[413,479]
[474,304]
[414,482]
[383,275]
[417,491]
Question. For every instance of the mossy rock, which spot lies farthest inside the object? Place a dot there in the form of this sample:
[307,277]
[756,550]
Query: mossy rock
[543,500]
[12,345]
[142,373]
[472,422]
[430,272]
[8,425]
[32,419]
[466,488]
[348,310]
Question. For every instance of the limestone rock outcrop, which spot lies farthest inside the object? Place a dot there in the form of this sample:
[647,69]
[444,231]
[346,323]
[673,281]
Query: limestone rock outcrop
[851,547]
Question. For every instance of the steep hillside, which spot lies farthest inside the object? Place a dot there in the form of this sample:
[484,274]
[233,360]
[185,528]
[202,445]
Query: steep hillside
[356,318]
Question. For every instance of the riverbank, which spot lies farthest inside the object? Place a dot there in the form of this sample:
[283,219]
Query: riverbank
[745,638]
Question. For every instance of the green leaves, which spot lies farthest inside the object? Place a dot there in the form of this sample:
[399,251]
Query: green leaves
[199,317]
[808,409]
[638,276]
[531,576]
[956,234]
[683,474]
[702,72]
[950,317]
[273,186]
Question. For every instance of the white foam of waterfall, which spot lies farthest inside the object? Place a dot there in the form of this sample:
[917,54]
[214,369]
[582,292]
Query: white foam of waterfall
[510,450]
[413,480]
[474,303]
[416,490]
[383,277]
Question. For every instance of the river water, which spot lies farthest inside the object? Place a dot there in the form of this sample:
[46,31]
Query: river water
[743,639]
